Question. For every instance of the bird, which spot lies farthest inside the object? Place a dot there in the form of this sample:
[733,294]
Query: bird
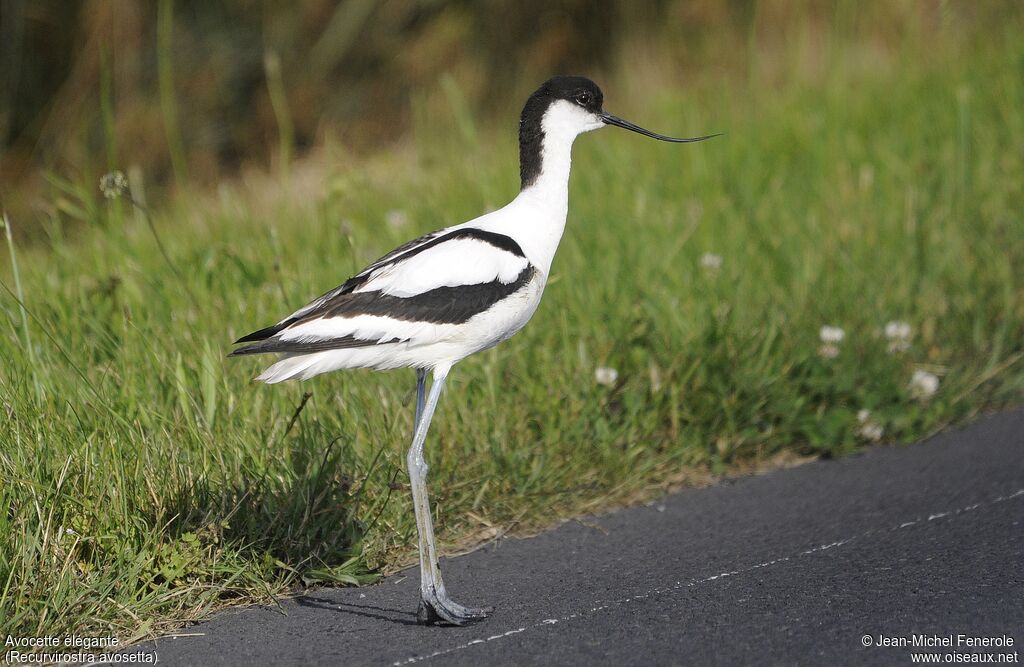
[435,300]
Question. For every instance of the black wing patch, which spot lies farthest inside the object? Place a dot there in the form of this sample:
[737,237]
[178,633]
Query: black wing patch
[442,305]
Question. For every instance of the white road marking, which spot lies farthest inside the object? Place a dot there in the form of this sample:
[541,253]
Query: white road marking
[679,585]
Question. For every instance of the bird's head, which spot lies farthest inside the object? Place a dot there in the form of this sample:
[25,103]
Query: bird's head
[571,105]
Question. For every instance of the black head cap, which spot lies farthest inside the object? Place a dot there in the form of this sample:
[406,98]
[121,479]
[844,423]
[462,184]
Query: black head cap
[575,89]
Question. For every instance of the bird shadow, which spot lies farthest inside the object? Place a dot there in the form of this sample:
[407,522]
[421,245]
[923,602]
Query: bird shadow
[365,610]
[302,515]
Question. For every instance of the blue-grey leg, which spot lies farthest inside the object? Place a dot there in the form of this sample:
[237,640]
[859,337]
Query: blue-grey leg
[435,605]
[421,395]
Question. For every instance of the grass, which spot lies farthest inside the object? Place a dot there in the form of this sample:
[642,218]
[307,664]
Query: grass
[147,481]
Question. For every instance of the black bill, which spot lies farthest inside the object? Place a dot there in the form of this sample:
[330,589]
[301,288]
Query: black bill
[615,120]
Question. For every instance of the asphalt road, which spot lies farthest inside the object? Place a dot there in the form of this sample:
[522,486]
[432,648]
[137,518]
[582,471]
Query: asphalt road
[794,566]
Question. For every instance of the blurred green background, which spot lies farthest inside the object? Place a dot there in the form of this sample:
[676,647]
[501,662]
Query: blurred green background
[192,91]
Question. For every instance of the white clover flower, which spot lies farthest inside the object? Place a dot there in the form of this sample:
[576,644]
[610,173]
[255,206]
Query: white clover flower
[711,262]
[397,218]
[114,184]
[831,334]
[606,376]
[899,334]
[830,337]
[897,329]
[923,384]
[868,429]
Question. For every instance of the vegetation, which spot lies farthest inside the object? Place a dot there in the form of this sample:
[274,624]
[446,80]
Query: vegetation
[146,480]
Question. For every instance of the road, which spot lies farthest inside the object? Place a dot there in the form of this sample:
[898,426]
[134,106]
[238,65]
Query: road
[795,566]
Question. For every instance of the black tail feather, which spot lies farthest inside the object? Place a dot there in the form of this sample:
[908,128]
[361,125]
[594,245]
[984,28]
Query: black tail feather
[302,347]
[265,333]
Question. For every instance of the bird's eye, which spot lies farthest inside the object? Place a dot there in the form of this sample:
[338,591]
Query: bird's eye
[584,98]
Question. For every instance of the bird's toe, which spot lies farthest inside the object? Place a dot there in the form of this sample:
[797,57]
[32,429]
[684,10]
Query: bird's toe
[448,612]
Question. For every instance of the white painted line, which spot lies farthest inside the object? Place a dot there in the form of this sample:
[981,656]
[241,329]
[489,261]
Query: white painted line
[696,582]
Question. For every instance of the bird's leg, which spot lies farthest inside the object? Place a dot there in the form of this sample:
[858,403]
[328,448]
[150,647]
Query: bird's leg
[435,605]
[421,396]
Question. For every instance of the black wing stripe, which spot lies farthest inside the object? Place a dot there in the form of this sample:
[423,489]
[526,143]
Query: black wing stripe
[500,241]
[343,300]
[305,347]
[264,333]
[441,305]
[400,251]
[444,305]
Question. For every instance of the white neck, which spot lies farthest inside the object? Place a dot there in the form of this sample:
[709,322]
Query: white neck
[541,209]
[538,214]
[551,188]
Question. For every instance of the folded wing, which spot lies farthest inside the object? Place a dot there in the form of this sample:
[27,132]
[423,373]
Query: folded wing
[416,294]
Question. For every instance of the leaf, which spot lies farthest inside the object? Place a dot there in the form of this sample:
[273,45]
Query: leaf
[208,377]
[181,385]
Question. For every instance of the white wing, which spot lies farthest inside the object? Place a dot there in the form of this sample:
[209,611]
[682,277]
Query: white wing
[462,260]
